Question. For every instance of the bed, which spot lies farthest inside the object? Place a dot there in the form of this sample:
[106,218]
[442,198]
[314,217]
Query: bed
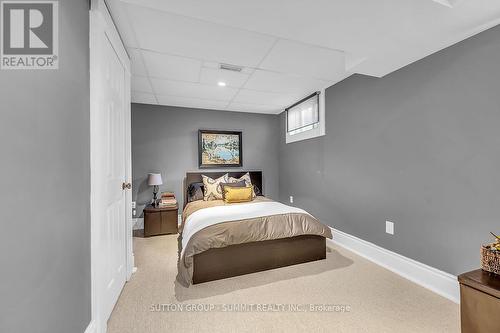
[219,240]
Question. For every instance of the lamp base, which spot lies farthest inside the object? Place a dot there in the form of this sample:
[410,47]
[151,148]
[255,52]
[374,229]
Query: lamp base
[155,195]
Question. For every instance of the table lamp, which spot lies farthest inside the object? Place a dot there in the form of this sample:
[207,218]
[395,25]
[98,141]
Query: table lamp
[154,179]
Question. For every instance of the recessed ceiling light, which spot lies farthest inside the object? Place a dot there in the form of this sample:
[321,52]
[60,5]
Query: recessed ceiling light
[221,84]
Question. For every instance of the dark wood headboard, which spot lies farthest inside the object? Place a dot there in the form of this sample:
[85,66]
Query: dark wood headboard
[195,177]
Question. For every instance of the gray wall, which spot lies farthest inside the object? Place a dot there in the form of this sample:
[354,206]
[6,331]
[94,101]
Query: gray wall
[165,139]
[420,147]
[45,188]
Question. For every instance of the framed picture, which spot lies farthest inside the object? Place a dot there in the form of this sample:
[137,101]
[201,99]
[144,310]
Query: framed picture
[219,149]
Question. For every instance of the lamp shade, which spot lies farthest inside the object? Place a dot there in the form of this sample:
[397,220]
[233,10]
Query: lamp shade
[154,179]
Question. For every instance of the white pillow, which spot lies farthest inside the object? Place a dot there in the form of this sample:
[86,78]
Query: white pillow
[212,187]
[248,181]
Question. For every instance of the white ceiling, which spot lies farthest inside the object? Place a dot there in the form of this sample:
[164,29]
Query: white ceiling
[288,49]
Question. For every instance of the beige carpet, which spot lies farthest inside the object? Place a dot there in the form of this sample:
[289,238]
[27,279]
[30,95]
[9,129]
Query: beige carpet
[378,300]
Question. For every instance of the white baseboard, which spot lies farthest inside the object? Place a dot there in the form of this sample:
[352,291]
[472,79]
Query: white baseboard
[138,223]
[440,282]
[92,328]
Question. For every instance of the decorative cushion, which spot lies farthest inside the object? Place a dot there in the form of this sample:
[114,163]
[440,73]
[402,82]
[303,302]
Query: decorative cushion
[212,188]
[246,178]
[195,192]
[237,184]
[256,190]
[238,194]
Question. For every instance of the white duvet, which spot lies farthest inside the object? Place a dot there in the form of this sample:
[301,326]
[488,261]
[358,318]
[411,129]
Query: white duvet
[206,217]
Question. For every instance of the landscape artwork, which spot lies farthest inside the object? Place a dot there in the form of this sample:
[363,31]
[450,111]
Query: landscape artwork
[219,149]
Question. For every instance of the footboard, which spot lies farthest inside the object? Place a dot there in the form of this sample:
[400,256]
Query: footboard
[234,260]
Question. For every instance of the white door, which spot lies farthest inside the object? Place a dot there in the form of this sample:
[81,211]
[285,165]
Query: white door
[110,165]
[113,227]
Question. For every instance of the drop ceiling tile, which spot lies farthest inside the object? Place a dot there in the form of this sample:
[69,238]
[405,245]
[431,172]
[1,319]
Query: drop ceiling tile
[303,59]
[266,98]
[254,108]
[140,83]
[211,64]
[143,98]
[180,35]
[193,90]
[192,102]
[285,83]
[166,66]
[385,39]
[232,79]
[136,62]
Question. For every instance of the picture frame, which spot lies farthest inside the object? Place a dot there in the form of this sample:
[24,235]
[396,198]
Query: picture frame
[220,149]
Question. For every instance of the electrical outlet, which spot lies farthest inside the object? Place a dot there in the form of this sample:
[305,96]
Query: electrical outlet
[134,212]
[389,227]
[134,205]
[291,199]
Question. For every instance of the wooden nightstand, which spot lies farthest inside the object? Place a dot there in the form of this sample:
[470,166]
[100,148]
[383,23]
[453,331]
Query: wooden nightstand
[160,221]
[479,302]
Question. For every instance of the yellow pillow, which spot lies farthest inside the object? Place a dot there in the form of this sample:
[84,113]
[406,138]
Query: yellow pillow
[238,194]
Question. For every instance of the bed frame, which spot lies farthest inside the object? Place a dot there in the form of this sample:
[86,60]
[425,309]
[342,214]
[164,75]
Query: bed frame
[239,259]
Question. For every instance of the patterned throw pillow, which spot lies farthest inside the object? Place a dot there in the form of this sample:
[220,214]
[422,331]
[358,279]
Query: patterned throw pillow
[212,188]
[246,178]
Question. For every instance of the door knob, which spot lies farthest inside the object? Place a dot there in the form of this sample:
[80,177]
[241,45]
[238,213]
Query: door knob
[126,186]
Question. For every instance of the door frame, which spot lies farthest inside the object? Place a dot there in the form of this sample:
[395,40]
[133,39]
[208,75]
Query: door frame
[102,26]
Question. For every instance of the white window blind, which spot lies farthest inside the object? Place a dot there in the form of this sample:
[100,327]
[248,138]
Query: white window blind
[303,115]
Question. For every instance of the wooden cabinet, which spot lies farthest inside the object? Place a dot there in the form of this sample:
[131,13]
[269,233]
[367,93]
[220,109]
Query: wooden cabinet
[479,302]
[160,221]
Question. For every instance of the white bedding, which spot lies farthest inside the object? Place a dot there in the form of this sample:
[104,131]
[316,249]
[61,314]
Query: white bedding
[213,215]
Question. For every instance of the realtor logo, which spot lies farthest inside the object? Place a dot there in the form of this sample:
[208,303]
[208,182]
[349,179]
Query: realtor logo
[29,35]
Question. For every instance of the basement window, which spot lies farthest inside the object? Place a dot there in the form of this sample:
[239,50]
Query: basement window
[306,118]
